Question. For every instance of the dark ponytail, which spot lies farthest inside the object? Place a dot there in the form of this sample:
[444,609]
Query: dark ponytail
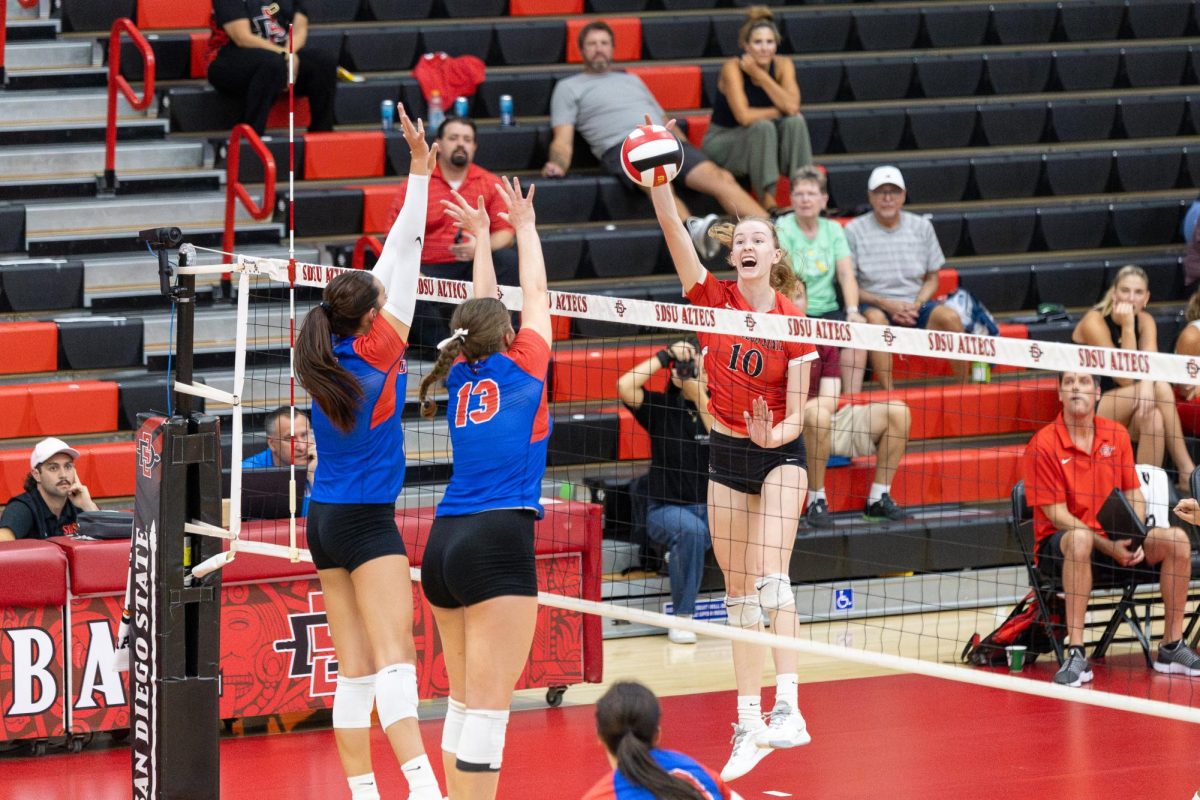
[627,718]
[486,321]
[346,300]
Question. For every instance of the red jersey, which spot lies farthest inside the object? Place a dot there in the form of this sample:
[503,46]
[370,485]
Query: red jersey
[1056,471]
[742,368]
[439,227]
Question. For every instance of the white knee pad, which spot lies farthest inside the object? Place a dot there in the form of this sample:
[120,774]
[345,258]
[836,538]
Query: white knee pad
[396,694]
[456,714]
[775,592]
[743,612]
[481,745]
[353,700]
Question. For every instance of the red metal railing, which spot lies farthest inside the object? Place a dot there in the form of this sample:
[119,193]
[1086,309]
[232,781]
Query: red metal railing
[360,250]
[234,189]
[116,81]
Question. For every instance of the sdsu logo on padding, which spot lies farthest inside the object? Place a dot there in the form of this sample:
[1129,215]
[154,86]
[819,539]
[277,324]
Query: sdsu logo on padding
[311,647]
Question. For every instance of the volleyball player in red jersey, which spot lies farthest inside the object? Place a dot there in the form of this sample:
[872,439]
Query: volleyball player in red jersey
[757,470]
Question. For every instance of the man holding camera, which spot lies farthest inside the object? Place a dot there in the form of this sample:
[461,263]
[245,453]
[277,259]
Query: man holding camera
[676,509]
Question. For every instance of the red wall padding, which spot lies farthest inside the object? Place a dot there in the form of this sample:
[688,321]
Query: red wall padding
[33,573]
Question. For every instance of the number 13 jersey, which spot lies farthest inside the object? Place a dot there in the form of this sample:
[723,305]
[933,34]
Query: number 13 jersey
[499,428]
[740,368]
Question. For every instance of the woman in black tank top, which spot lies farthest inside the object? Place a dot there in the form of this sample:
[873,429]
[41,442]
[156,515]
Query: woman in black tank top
[756,127]
[1146,407]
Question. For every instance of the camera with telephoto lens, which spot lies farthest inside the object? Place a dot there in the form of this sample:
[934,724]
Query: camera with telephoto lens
[684,370]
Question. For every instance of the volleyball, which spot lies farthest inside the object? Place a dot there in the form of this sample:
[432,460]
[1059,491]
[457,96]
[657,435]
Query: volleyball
[651,155]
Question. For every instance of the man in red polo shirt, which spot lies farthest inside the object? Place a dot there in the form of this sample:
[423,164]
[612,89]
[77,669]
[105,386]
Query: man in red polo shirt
[448,252]
[1071,467]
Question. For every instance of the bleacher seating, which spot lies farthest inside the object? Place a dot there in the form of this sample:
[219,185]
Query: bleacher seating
[1048,142]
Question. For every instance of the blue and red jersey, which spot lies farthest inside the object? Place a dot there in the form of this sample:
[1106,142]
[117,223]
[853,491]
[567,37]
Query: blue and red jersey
[499,428]
[616,786]
[365,465]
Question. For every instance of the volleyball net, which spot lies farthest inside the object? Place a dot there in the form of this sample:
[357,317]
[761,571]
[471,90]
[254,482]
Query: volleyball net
[898,581]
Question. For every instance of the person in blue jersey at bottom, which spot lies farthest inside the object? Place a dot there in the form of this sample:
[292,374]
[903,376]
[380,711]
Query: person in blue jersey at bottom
[350,358]
[478,572]
[627,722]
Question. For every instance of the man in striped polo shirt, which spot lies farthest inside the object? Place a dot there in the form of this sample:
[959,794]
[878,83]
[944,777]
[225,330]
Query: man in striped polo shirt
[897,258]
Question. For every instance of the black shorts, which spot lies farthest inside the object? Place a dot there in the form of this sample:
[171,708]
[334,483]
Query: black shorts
[1105,571]
[742,465]
[476,557]
[348,535]
[692,158]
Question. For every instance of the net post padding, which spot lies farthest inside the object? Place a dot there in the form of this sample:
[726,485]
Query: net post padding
[175,625]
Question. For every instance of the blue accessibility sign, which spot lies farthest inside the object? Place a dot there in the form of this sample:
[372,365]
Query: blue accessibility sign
[843,599]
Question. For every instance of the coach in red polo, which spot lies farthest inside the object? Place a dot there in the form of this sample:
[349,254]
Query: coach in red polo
[447,252]
[1071,466]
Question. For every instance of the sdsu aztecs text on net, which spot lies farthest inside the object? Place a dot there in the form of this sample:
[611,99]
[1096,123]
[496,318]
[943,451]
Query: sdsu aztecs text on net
[651,155]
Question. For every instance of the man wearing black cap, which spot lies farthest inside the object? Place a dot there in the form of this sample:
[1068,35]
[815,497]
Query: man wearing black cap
[53,496]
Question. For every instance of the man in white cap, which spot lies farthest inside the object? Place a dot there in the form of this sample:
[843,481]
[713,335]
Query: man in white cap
[897,258]
[53,495]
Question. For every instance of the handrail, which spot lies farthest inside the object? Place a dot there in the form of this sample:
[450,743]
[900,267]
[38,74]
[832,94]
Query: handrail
[235,189]
[360,247]
[117,81]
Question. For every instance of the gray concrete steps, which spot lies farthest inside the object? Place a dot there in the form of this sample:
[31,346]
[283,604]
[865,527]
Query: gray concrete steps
[60,107]
[24,56]
[31,162]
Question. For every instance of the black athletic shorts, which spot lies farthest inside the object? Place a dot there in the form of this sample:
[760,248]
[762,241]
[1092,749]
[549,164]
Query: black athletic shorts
[1105,571]
[742,465]
[348,535]
[476,557]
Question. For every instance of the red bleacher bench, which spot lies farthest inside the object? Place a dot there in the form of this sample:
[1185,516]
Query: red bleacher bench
[199,53]
[377,201]
[57,409]
[33,573]
[158,14]
[540,8]
[28,347]
[344,154]
[591,373]
[697,126]
[626,30]
[672,86]
[107,469]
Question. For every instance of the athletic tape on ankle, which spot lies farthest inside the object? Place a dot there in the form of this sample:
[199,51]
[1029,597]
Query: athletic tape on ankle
[353,700]
[396,694]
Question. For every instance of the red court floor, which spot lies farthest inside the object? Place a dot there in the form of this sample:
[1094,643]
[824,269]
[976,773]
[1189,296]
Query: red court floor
[891,737]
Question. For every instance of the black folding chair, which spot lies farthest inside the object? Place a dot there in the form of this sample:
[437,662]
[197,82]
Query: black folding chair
[1126,607]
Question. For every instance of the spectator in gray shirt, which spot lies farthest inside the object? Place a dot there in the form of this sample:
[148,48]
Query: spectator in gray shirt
[605,106]
[897,258]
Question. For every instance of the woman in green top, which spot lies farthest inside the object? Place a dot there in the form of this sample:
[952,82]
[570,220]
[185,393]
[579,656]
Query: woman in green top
[820,254]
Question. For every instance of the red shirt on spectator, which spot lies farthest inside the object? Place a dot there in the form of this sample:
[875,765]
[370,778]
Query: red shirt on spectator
[439,228]
[1056,471]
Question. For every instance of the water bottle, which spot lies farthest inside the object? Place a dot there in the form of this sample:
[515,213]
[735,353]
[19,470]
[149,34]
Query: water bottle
[506,109]
[981,372]
[437,114]
[387,114]
[461,107]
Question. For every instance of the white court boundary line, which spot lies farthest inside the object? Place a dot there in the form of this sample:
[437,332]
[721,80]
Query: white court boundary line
[773,328]
[964,347]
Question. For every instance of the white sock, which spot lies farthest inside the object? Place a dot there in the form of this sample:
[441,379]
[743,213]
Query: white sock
[363,787]
[749,709]
[878,490]
[419,774]
[815,494]
[785,690]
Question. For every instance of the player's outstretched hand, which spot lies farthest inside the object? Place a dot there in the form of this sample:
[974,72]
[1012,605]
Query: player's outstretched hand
[423,156]
[520,206]
[472,219]
[760,423]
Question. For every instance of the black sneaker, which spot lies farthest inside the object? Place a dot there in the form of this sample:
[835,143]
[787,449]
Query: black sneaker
[817,515]
[1179,660]
[1075,671]
[883,510]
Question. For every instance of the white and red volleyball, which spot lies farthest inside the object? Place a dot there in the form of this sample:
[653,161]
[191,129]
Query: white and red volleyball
[651,155]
